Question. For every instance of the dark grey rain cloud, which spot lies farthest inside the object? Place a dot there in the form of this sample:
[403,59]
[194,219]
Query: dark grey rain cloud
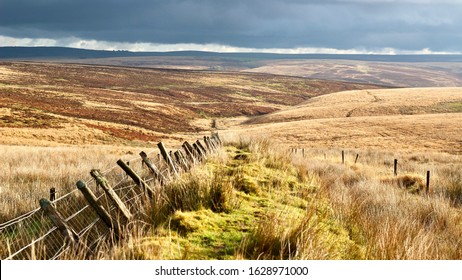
[374,24]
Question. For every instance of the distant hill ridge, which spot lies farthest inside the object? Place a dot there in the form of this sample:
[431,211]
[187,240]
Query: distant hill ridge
[12,53]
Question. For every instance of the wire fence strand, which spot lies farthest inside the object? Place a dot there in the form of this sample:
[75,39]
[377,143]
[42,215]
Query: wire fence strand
[33,236]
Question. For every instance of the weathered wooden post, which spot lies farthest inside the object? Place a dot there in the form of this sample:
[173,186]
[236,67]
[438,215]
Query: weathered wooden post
[356,159]
[427,185]
[99,209]
[199,152]
[395,167]
[167,158]
[303,152]
[217,137]
[52,194]
[70,236]
[207,144]
[180,161]
[343,157]
[199,144]
[104,184]
[190,153]
[154,170]
[137,179]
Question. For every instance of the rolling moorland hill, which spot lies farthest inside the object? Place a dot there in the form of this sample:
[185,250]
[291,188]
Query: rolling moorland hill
[418,119]
[49,104]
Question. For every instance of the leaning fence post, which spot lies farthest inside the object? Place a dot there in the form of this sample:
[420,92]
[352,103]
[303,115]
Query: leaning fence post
[189,153]
[104,184]
[137,179]
[70,236]
[356,159]
[199,144]
[199,152]
[167,158]
[157,175]
[99,209]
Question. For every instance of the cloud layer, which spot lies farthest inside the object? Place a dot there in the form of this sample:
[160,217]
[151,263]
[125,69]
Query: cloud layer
[373,25]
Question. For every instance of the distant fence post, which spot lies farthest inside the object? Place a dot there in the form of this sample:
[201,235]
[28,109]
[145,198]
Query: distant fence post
[427,189]
[99,209]
[199,144]
[167,158]
[343,156]
[189,152]
[52,194]
[356,159]
[395,167]
[199,152]
[70,236]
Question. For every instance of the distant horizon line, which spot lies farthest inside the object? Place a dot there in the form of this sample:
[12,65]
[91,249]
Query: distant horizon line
[253,51]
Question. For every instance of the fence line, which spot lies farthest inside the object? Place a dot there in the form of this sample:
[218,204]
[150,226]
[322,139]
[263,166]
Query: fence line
[40,234]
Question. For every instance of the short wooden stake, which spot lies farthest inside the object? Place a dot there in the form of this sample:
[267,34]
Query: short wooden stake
[356,159]
[395,167]
[99,209]
[167,158]
[427,189]
[343,156]
[104,184]
[52,194]
[70,236]
[137,179]
[303,152]
[154,170]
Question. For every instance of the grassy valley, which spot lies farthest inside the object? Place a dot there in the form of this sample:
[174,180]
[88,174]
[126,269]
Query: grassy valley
[257,197]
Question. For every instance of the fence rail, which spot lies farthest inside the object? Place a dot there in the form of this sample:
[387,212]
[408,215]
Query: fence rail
[92,213]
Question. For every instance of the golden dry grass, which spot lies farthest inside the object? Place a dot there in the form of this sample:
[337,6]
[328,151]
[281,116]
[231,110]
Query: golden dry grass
[404,119]
[28,172]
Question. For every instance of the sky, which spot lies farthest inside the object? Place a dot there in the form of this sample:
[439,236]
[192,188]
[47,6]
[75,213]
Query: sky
[279,26]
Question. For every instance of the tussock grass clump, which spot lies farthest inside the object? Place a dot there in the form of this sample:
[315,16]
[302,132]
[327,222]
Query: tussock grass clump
[413,183]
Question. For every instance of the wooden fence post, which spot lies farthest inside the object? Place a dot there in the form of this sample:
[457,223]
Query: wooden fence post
[70,236]
[216,136]
[180,161]
[427,189]
[52,194]
[167,158]
[189,152]
[99,209]
[212,143]
[137,179]
[104,184]
[356,159]
[395,167]
[154,170]
[207,144]
[199,144]
[199,152]
[343,157]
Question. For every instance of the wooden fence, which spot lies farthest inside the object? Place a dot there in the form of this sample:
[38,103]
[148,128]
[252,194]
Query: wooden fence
[100,207]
